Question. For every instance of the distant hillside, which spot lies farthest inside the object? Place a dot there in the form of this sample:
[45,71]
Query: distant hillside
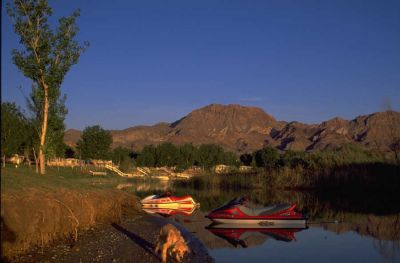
[71,136]
[378,131]
[245,129]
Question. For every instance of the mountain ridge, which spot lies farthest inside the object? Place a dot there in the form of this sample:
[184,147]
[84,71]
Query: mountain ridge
[244,129]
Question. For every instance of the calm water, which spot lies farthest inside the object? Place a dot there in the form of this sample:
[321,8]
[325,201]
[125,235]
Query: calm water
[340,229]
[312,245]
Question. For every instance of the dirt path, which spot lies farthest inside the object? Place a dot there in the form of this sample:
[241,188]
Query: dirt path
[132,240]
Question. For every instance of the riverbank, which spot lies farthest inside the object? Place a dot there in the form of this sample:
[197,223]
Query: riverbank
[39,210]
[131,240]
[37,218]
[70,216]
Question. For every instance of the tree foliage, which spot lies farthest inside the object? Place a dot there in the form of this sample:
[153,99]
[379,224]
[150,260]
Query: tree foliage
[54,146]
[94,143]
[147,157]
[168,154]
[246,159]
[184,156]
[69,152]
[267,157]
[124,158]
[188,156]
[45,57]
[16,130]
[270,158]
[119,154]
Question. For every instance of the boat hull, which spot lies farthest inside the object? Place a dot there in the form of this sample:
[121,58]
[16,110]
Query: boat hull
[169,202]
[169,205]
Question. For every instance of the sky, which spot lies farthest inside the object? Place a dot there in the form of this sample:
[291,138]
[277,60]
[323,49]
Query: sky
[155,61]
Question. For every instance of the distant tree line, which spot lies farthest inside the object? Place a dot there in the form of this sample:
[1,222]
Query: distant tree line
[95,143]
[184,156]
[18,133]
[271,158]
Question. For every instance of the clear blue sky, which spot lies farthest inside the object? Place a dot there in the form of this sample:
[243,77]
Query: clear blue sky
[153,61]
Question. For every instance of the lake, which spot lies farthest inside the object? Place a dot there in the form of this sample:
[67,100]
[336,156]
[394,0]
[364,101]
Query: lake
[341,227]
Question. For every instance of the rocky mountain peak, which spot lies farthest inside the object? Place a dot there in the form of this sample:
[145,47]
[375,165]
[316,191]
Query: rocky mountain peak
[244,129]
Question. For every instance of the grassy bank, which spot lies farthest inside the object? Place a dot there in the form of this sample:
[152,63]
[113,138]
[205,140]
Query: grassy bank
[16,179]
[36,210]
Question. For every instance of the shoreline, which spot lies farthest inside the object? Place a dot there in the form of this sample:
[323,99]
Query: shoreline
[37,218]
[133,238]
[68,218]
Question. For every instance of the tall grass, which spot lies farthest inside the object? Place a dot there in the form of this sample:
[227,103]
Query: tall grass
[380,176]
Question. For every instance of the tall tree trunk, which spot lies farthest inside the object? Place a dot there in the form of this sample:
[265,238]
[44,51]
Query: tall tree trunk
[36,161]
[42,161]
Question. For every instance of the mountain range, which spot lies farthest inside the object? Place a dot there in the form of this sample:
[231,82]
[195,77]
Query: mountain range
[244,129]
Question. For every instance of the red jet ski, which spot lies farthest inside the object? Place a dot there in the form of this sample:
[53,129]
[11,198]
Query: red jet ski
[237,212]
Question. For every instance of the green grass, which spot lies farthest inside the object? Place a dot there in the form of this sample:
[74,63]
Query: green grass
[23,177]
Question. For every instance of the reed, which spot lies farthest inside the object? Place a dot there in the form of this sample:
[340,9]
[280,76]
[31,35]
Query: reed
[377,176]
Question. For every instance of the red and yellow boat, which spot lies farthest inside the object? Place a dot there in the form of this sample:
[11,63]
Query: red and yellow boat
[168,201]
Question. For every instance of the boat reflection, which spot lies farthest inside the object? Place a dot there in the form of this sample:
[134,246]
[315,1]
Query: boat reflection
[166,212]
[243,235]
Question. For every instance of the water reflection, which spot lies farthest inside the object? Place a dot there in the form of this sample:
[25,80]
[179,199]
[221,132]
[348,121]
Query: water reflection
[151,185]
[341,228]
[390,250]
[170,212]
[246,235]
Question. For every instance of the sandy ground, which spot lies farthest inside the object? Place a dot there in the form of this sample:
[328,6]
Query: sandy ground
[132,240]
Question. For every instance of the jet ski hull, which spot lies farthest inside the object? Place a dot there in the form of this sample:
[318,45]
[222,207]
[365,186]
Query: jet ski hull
[235,212]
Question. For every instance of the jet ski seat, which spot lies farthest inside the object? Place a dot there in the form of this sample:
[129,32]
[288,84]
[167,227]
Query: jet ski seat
[263,210]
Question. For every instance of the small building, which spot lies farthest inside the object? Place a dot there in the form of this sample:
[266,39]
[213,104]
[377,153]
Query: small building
[16,159]
[221,168]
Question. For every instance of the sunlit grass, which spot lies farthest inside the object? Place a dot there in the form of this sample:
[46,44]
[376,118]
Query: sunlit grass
[23,177]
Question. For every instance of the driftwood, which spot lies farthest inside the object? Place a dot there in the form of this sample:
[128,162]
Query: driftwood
[97,173]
